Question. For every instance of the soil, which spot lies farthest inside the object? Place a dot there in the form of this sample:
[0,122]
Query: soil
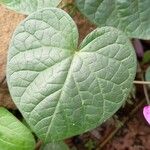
[132,134]
[8,22]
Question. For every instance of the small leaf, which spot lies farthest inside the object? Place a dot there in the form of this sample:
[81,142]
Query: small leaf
[29,6]
[146,58]
[55,146]
[130,16]
[146,113]
[147,75]
[62,89]
[13,134]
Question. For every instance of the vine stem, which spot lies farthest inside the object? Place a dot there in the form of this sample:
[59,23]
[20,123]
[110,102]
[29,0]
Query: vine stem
[142,82]
[145,92]
[38,145]
[144,85]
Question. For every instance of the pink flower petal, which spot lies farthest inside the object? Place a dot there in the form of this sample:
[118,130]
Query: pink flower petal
[146,113]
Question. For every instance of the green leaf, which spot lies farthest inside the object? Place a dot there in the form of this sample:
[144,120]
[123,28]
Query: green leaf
[29,6]
[55,146]
[63,90]
[146,58]
[147,75]
[13,134]
[130,16]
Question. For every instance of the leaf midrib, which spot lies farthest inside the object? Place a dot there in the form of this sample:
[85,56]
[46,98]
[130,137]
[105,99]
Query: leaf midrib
[58,103]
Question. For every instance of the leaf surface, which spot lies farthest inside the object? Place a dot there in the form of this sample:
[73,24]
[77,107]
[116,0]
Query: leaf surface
[146,57]
[29,6]
[60,88]
[55,146]
[130,16]
[13,134]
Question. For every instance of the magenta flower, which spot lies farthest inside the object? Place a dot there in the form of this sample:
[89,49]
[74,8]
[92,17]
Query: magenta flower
[146,113]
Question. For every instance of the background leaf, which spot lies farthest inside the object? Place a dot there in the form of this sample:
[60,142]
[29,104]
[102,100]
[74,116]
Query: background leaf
[63,90]
[55,146]
[146,58]
[130,16]
[13,134]
[29,6]
[147,75]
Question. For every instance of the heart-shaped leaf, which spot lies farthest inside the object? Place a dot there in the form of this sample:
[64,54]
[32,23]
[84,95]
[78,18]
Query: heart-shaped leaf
[63,90]
[29,6]
[13,134]
[130,16]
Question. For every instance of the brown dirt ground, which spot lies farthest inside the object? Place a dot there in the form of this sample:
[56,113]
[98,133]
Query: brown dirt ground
[135,135]
[8,22]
